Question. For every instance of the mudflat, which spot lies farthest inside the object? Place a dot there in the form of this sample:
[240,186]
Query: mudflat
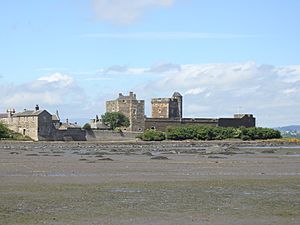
[164,183]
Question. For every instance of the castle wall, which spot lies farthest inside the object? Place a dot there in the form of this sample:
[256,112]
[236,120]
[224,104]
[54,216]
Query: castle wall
[71,134]
[161,124]
[237,122]
[109,135]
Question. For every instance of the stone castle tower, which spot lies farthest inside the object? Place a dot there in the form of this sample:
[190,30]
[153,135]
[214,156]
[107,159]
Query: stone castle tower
[169,108]
[132,108]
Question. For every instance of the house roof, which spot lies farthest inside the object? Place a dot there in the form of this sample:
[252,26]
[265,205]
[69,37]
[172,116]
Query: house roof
[55,118]
[177,94]
[29,113]
[69,125]
[3,115]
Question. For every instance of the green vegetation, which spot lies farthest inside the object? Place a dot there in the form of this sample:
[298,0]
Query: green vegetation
[7,134]
[115,120]
[4,131]
[87,126]
[152,135]
[259,133]
[210,133]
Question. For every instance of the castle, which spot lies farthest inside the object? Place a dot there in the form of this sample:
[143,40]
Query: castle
[40,125]
[167,112]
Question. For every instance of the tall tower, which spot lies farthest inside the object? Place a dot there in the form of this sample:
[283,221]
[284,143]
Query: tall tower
[132,108]
[178,96]
[170,108]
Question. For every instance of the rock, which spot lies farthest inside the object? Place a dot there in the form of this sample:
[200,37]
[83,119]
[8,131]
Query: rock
[216,157]
[148,153]
[216,149]
[269,151]
[106,159]
[159,157]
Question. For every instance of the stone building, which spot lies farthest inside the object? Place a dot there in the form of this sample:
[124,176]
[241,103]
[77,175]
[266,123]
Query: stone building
[132,108]
[40,125]
[167,107]
[36,124]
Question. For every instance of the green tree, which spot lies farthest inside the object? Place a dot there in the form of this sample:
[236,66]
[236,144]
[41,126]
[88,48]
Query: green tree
[4,131]
[115,119]
[152,135]
[87,126]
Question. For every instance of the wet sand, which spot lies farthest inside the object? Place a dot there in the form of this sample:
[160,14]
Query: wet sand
[123,183]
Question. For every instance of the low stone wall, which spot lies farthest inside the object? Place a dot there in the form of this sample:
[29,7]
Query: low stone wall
[237,122]
[69,135]
[162,123]
[108,135]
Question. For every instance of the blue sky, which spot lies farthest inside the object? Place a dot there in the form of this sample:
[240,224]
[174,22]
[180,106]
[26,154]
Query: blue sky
[72,55]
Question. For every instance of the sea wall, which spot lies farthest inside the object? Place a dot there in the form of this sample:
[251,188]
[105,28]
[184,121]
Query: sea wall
[108,135]
[69,135]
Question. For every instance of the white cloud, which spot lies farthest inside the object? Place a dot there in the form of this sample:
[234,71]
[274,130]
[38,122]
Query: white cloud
[163,67]
[53,90]
[125,12]
[58,79]
[121,70]
[194,91]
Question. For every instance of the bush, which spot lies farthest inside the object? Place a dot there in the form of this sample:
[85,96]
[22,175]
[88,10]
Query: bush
[259,133]
[4,131]
[87,126]
[220,133]
[152,135]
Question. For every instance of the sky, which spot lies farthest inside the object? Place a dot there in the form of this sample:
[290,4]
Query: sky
[224,57]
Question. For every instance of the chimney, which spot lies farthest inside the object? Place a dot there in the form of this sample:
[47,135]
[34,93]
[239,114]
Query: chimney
[57,114]
[37,107]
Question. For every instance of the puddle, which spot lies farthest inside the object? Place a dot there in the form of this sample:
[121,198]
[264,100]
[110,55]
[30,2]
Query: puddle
[124,190]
